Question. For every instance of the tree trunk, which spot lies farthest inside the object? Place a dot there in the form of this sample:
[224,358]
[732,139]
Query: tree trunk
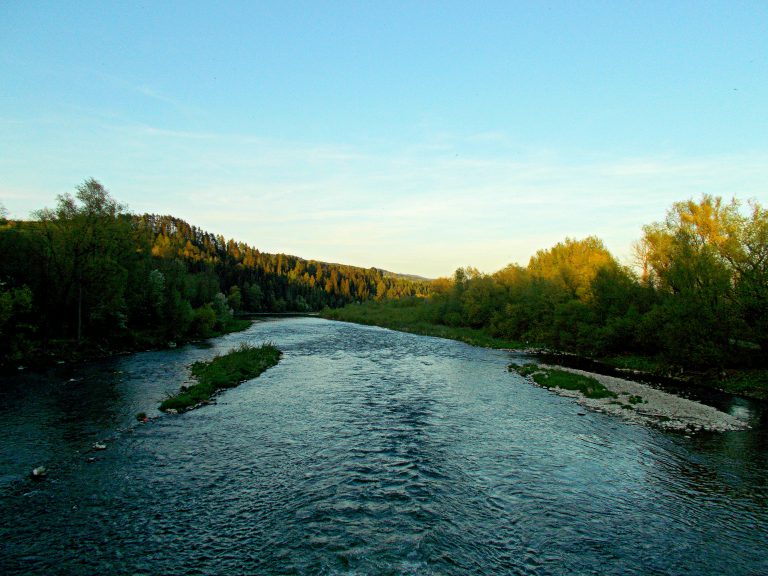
[79,311]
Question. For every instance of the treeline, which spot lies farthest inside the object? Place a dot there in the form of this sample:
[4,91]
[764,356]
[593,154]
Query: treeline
[88,272]
[697,300]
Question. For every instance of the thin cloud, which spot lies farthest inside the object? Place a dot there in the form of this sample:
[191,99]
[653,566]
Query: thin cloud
[151,93]
[426,208]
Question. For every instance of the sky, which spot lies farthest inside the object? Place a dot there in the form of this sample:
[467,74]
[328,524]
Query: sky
[417,136]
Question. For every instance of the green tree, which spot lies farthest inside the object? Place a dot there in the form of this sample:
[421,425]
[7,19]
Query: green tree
[156,294]
[254,297]
[751,265]
[222,310]
[203,321]
[15,328]
[479,300]
[88,245]
[697,257]
[234,298]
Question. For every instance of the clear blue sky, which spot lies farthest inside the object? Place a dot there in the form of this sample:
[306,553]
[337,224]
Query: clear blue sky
[414,136]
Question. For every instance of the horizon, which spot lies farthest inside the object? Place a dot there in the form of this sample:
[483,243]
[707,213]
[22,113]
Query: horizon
[414,139]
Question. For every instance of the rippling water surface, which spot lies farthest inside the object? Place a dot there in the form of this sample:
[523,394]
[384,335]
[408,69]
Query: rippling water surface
[364,451]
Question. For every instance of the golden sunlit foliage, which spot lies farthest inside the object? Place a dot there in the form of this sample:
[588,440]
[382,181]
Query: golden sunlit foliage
[572,265]
[89,271]
[700,300]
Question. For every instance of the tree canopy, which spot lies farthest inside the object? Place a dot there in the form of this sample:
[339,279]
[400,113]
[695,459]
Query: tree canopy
[699,299]
[91,272]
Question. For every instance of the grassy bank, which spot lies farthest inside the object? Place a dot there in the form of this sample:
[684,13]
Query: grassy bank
[752,383]
[552,378]
[227,371]
[413,315]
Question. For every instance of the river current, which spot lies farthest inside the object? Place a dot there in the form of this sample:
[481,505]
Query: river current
[365,451]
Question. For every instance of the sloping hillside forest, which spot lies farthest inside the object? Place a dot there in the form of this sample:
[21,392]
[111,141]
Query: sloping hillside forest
[695,300]
[90,277]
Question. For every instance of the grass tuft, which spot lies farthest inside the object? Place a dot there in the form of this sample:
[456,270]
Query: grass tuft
[553,378]
[524,369]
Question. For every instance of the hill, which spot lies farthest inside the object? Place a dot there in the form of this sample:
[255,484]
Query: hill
[89,274]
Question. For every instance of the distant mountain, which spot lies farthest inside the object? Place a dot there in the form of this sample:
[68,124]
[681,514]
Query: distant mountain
[412,277]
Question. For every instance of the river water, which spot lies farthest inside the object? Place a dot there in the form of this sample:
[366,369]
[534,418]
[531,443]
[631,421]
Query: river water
[365,451]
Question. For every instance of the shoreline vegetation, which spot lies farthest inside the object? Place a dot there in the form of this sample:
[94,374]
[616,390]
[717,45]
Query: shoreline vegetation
[226,371]
[546,377]
[693,306]
[88,278]
[406,315]
[411,316]
[69,352]
[630,400]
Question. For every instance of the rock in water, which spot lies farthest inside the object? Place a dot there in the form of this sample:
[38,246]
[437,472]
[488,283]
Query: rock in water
[39,473]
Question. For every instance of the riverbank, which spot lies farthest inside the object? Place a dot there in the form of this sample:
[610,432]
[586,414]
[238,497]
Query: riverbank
[58,352]
[414,316]
[633,401]
[227,371]
[403,316]
[371,429]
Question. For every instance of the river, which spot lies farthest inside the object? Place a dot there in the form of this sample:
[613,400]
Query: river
[365,451]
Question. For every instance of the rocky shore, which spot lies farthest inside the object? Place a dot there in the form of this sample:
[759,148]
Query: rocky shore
[651,406]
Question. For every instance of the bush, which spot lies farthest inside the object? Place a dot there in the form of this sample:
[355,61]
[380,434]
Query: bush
[203,321]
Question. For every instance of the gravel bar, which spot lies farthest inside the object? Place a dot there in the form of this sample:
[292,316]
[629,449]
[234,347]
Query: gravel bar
[656,408]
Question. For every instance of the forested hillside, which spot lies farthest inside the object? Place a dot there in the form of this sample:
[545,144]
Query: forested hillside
[88,273]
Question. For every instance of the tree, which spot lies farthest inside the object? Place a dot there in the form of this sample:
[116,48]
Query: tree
[707,260]
[572,265]
[15,305]
[480,300]
[751,265]
[253,297]
[88,244]
[204,320]
[222,310]
[156,294]
[381,290]
[234,298]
